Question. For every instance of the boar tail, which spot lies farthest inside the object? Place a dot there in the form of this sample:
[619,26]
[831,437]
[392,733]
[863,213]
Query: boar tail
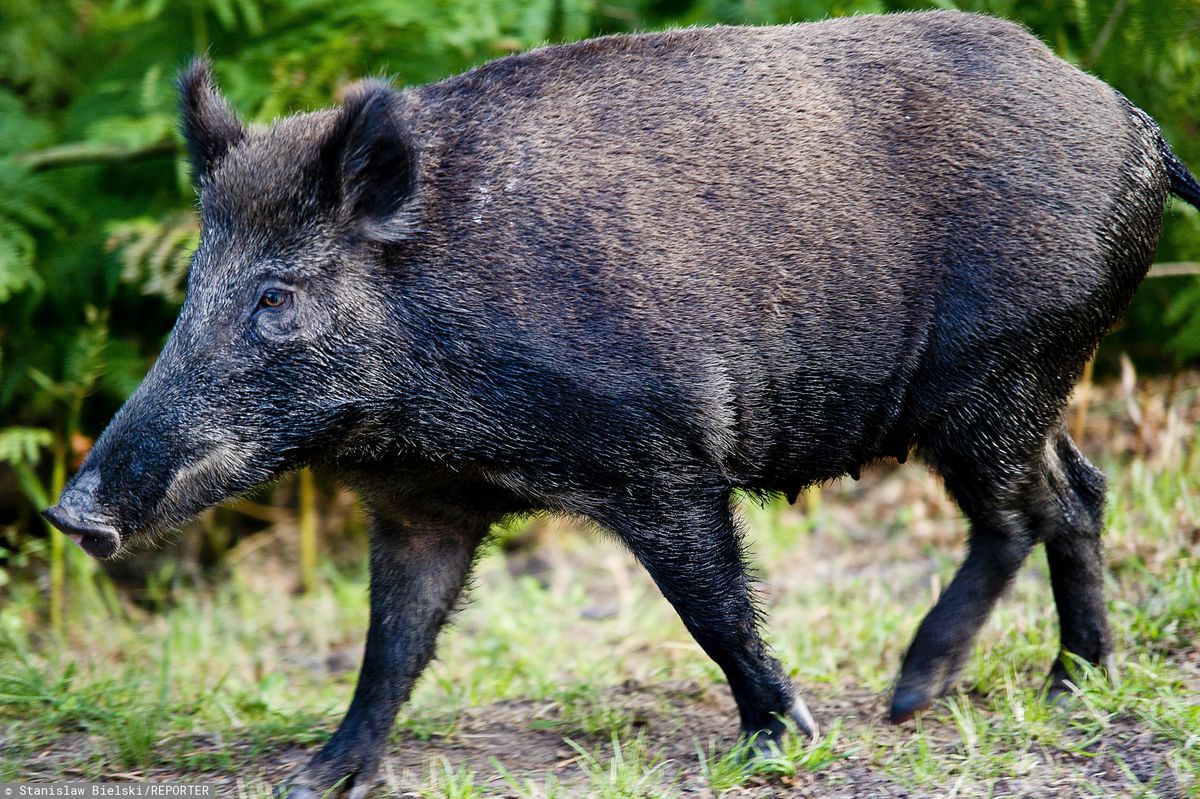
[1183,182]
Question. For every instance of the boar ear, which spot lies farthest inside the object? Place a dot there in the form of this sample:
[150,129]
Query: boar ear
[372,163]
[209,125]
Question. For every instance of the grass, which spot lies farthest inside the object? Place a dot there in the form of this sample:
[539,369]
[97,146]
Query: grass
[726,768]
[576,679]
[629,769]
[447,781]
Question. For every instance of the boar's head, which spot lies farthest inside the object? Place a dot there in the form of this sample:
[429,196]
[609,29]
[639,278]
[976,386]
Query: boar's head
[286,312]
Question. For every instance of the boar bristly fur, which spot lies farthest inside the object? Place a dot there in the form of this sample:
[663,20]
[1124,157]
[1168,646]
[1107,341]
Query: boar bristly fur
[623,279]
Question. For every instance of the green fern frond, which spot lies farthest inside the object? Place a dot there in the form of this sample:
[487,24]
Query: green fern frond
[85,361]
[18,129]
[23,445]
[28,204]
[26,199]
[16,260]
[155,254]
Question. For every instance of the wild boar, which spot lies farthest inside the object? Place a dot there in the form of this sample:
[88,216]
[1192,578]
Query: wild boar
[627,277]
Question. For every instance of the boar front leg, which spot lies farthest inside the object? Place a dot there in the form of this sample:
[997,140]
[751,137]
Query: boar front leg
[692,550]
[417,573]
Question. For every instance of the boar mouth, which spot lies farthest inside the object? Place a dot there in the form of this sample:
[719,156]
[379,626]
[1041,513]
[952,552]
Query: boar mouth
[96,538]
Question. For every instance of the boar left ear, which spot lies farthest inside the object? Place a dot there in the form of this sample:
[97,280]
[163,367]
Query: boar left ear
[372,163]
[210,127]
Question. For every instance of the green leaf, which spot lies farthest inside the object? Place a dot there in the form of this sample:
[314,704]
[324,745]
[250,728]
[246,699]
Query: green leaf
[23,445]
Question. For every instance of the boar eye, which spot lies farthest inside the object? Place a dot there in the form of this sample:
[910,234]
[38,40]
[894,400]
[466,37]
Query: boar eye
[274,298]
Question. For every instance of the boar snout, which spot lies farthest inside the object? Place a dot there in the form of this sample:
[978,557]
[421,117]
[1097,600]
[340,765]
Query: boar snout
[79,516]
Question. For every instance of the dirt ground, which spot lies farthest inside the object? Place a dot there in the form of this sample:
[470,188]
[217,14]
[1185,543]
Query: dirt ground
[674,715]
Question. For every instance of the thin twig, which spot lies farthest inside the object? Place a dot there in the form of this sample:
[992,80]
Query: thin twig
[1175,269]
[85,154]
[1110,25]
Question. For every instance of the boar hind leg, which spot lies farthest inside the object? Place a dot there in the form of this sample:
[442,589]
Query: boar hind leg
[1076,560]
[417,573]
[1002,502]
[693,552]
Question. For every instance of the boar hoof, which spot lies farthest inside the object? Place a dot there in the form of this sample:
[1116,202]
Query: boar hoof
[1063,681]
[906,704]
[299,792]
[767,743]
[304,792]
[350,787]
[1060,686]
[803,720]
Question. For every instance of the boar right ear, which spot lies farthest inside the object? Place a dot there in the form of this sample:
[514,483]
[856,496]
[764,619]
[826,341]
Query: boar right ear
[210,126]
[371,164]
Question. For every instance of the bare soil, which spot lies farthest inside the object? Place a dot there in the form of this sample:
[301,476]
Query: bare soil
[675,716]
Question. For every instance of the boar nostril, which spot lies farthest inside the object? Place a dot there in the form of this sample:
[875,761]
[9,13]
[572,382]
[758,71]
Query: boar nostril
[95,538]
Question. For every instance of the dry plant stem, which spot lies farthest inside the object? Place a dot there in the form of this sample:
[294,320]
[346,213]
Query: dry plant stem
[57,551]
[1084,392]
[308,531]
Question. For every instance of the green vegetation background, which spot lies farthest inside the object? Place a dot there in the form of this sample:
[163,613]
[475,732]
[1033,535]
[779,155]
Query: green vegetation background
[97,211]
